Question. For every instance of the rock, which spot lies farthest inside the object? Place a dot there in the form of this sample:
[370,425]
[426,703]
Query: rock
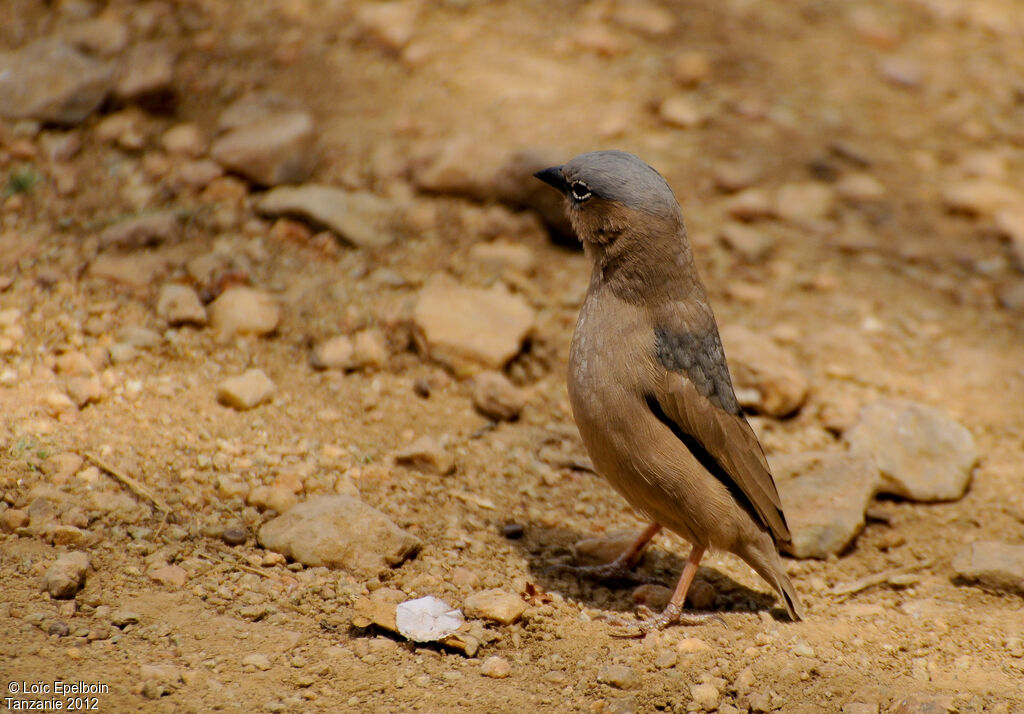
[824,496]
[66,576]
[242,311]
[334,353]
[766,376]
[279,148]
[604,549]
[504,255]
[496,667]
[137,270]
[736,175]
[180,305]
[359,218]
[105,35]
[901,71]
[804,202]
[256,660]
[644,17]
[923,703]
[750,204]
[751,244]
[496,397]
[185,139]
[339,532]
[471,327]
[172,575]
[50,81]
[235,535]
[859,708]
[425,454]
[427,619]
[619,676]
[652,595]
[159,680]
[61,467]
[495,605]
[706,696]
[148,73]
[369,350]
[392,24]
[246,391]
[992,565]
[690,645]
[12,519]
[981,196]
[146,230]
[273,498]
[1010,222]
[56,403]
[921,453]
[860,187]
[690,68]
[681,110]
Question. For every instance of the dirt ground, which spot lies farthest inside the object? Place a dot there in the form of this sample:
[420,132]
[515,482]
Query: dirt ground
[889,294]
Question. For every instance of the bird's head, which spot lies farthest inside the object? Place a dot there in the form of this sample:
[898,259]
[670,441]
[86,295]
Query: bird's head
[610,194]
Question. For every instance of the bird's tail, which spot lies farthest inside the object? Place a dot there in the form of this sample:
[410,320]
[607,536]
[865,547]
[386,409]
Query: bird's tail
[767,563]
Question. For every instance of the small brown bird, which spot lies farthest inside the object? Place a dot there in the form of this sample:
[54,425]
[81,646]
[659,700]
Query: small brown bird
[649,385]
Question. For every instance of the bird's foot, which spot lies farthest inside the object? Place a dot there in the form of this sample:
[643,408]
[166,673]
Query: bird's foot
[649,622]
[617,570]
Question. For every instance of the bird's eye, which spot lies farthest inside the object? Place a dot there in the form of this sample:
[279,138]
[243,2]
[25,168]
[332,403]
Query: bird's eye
[580,192]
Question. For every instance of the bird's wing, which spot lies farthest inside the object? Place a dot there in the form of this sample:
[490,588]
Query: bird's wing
[692,394]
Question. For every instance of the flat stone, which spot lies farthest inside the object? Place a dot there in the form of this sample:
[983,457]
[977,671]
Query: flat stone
[272,498]
[806,201]
[245,391]
[425,454]
[185,139]
[706,696]
[922,453]
[496,397]
[137,270]
[148,71]
[180,305]
[256,660]
[339,532]
[12,519]
[504,255]
[682,111]
[334,353]
[140,231]
[824,496]
[925,703]
[467,328]
[767,377]
[244,311]
[653,596]
[105,35]
[496,667]
[604,549]
[48,80]
[751,244]
[690,68]
[391,24]
[60,467]
[981,196]
[647,18]
[992,565]
[172,575]
[359,218]
[276,149]
[1010,222]
[619,676]
[495,605]
[66,576]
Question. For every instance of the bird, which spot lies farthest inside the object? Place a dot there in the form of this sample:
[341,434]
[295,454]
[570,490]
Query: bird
[649,386]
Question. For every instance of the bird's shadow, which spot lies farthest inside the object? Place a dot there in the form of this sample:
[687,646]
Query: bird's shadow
[546,548]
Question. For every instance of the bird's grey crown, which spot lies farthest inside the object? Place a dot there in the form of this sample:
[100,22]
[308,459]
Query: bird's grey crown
[625,178]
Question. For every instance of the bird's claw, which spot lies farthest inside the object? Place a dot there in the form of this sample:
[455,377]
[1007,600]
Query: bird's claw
[649,622]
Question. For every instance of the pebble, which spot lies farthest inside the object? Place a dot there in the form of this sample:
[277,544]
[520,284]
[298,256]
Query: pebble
[171,575]
[860,186]
[241,310]
[619,676]
[690,645]
[750,204]
[275,149]
[137,270]
[272,498]
[690,68]
[736,175]
[50,81]
[604,549]
[981,196]
[751,244]
[256,660]
[185,139]
[425,454]
[681,110]
[495,605]
[922,453]
[60,467]
[824,496]
[140,231]
[359,218]
[245,391]
[105,35]
[391,24]
[339,532]
[159,680]
[467,328]
[992,565]
[705,696]
[496,667]
[180,305]
[496,397]
[647,18]
[84,390]
[767,377]
[504,255]
[12,519]
[234,535]
[66,576]
[859,708]
[925,703]
[365,350]
[57,403]
[652,595]
[1010,222]
[147,72]
[803,649]
[803,202]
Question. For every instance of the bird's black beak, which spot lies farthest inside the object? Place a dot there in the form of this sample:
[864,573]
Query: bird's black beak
[553,177]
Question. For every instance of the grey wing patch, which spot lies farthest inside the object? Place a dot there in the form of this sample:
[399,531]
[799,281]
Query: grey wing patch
[700,356]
